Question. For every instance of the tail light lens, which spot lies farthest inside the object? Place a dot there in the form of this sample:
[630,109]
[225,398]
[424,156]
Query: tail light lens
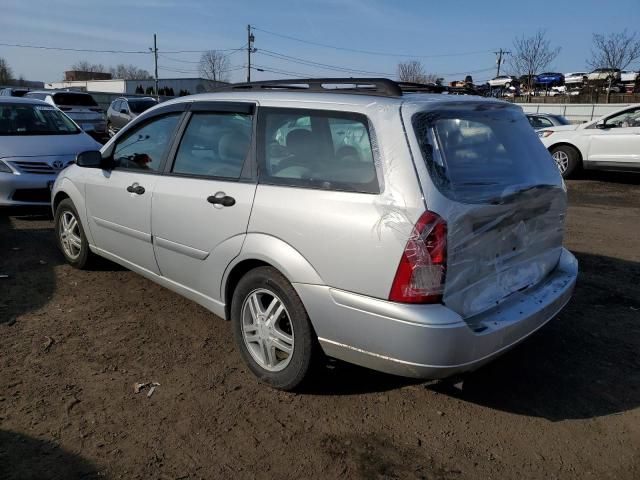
[421,272]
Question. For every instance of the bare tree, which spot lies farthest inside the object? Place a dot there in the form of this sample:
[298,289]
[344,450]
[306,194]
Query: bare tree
[531,55]
[214,66]
[85,66]
[6,74]
[616,50]
[413,71]
[129,72]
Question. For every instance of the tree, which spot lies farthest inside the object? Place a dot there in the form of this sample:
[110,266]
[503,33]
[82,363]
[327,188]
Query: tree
[6,74]
[129,72]
[214,66]
[531,55]
[412,71]
[616,50]
[85,66]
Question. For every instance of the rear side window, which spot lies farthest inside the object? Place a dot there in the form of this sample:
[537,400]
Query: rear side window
[539,122]
[317,149]
[482,153]
[74,99]
[215,145]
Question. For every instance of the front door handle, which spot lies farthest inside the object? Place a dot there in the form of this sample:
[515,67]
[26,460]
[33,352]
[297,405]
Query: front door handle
[222,199]
[135,188]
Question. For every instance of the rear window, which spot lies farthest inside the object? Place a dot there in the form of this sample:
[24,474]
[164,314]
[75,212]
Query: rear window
[482,153]
[139,106]
[74,99]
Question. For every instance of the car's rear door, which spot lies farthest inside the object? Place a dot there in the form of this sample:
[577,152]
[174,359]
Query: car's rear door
[201,206]
[118,201]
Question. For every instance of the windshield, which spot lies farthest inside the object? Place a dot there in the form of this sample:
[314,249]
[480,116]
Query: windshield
[481,153]
[140,106]
[74,99]
[27,119]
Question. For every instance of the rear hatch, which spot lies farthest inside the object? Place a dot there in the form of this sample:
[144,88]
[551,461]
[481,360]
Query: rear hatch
[501,195]
[80,107]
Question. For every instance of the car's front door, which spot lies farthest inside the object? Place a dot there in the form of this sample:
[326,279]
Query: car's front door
[201,206]
[618,143]
[118,200]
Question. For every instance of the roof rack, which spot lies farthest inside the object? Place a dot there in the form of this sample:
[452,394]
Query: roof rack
[359,86]
[362,86]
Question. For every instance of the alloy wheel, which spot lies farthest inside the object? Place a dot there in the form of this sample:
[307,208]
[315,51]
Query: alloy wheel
[267,330]
[69,233]
[562,160]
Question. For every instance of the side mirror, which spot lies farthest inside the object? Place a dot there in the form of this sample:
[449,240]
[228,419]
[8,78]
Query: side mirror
[89,159]
[601,124]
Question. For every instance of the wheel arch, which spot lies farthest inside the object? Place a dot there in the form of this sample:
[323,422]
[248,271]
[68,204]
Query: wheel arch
[261,250]
[567,144]
[67,189]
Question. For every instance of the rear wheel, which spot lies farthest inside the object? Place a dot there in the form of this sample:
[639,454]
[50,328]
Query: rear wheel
[567,159]
[70,235]
[272,329]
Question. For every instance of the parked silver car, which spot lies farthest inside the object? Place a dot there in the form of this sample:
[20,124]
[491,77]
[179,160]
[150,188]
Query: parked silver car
[79,106]
[36,142]
[418,234]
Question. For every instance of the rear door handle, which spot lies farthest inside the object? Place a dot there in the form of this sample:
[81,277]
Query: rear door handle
[222,199]
[136,188]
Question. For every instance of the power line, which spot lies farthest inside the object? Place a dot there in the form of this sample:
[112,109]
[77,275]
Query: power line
[42,47]
[262,68]
[370,52]
[312,63]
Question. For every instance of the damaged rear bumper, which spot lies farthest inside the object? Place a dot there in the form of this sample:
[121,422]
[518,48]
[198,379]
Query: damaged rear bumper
[431,341]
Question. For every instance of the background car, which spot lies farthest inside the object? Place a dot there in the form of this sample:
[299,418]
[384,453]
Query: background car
[611,142]
[13,92]
[545,120]
[604,74]
[575,78]
[549,79]
[626,76]
[503,81]
[122,110]
[79,106]
[36,142]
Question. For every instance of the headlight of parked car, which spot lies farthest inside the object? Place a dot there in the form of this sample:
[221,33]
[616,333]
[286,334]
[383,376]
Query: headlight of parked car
[5,168]
[545,133]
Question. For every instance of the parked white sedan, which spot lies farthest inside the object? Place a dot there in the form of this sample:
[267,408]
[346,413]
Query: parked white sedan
[611,142]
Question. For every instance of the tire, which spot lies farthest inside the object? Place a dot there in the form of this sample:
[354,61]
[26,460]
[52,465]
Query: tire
[70,236]
[261,342]
[110,131]
[567,159]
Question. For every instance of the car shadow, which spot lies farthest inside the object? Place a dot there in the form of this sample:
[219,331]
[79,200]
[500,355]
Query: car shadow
[627,178]
[583,364]
[23,458]
[28,257]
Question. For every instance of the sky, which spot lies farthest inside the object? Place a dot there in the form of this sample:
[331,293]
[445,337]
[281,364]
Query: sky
[450,38]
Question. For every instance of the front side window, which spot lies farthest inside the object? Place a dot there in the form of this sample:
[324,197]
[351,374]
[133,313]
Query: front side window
[627,119]
[145,147]
[317,149]
[215,145]
[27,119]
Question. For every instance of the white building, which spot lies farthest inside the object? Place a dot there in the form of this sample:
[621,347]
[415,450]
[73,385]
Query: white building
[128,87]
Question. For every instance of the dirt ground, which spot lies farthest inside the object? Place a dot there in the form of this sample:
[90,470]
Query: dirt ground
[565,404]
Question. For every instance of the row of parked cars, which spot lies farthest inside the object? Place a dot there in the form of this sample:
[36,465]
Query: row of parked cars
[548,80]
[82,108]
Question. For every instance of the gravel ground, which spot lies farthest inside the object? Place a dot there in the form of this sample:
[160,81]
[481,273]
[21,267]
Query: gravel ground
[565,404]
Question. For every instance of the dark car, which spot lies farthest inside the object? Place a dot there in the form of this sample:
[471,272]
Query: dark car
[550,79]
[13,92]
[122,110]
[546,120]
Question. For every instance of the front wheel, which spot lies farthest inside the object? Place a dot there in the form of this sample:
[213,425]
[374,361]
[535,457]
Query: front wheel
[567,159]
[272,329]
[70,235]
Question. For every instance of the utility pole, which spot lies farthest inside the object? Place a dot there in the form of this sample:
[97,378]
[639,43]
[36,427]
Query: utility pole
[500,54]
[250,50]
[155,57]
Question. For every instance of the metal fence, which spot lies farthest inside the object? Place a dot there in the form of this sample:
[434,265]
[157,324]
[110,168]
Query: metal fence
[574,112]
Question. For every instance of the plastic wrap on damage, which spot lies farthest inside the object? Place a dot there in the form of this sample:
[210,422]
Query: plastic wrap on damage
[497,189]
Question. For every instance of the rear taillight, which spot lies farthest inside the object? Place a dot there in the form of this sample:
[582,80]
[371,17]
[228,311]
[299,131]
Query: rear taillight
[420,275]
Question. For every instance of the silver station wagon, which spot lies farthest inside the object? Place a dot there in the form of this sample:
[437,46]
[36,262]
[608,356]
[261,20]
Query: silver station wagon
[417,234]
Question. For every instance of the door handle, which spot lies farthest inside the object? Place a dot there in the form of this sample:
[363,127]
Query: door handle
[135,188]
[222,199]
